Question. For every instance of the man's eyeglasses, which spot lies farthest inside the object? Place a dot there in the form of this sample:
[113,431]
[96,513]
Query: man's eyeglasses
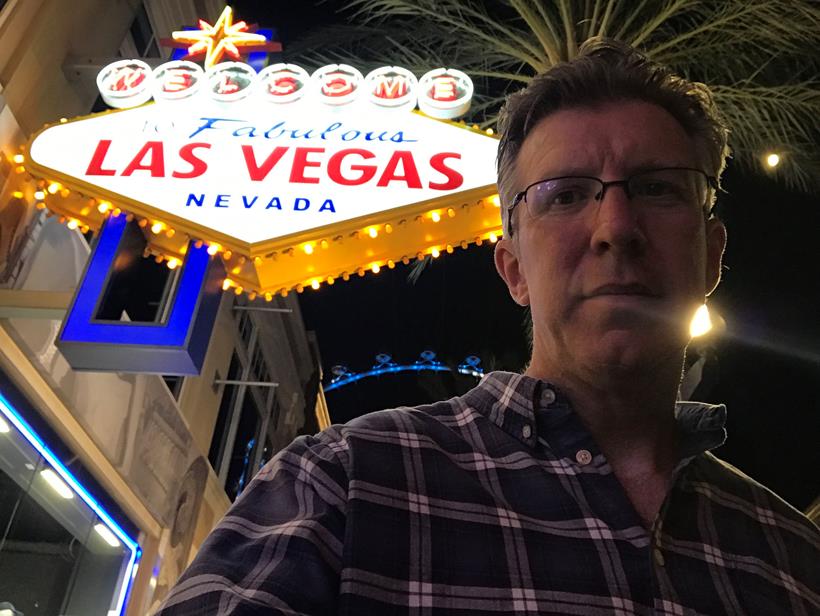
[663,188]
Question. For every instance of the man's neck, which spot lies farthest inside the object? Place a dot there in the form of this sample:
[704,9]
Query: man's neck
[631,418]
[630,414]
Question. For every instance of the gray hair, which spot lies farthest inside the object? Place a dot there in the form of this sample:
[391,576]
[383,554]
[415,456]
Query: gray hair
[606,70]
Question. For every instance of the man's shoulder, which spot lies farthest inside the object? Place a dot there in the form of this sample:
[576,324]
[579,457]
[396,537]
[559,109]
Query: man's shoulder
[427,421]
[730,487]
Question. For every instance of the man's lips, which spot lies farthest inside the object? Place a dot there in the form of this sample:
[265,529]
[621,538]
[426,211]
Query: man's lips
[627,289]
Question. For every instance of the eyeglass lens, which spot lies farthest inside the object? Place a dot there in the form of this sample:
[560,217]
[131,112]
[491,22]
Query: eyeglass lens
[663,187]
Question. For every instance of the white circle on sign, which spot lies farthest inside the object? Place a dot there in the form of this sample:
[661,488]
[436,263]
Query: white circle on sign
[337,84]
[282,83]
[125,83]
[228,82]
[391,87]
[445,93]
[177,81]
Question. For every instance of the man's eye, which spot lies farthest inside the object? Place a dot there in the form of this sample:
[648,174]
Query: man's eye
[567,197]
[656,188]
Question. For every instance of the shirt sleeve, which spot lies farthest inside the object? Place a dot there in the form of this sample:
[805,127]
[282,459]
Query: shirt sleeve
[278,550]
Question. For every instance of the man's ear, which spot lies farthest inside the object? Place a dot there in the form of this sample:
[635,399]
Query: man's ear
[715,245]
[509,268]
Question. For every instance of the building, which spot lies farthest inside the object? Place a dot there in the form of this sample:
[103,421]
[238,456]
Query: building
[105,477]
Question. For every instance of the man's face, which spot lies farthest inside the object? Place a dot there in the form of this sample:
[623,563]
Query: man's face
[614,285]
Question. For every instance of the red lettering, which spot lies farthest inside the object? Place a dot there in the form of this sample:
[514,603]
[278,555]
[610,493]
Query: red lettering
[156,160]
[126,78]
[391,87]
[256,172]
[95,166]
[282,86]
[444,89]
[227,85]
[337,84]
[198,166]
[301,162]
[411,174]
[334,168]
[454,178]
[177,80]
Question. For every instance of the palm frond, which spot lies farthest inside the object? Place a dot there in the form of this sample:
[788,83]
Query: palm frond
[759,56]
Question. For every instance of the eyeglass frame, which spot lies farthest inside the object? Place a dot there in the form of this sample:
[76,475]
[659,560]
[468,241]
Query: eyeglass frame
[711,182]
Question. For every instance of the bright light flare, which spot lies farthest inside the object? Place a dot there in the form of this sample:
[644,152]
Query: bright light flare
[308,248]
[57,484]
[772,160]
[701,322]
[373,232]
[4,427]
[105,532]
[435,216]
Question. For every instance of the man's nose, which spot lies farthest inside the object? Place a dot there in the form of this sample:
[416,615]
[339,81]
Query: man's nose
[616,223]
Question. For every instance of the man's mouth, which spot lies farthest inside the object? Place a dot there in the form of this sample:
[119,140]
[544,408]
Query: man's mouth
[628,289]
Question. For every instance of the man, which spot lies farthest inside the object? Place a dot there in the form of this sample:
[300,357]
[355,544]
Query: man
[581,486]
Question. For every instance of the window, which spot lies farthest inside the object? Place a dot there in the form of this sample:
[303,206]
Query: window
[248,412]
[143,35]
[243,452]
[60,551]
[266,454]
[226,405]
[174,384]
[246,327]
[259,366]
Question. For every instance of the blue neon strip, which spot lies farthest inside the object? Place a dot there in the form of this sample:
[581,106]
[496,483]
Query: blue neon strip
[378,371]
[80,325]
[22,426]
[259,59]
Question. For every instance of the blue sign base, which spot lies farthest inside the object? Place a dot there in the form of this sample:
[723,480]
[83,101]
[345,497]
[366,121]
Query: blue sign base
[176,345]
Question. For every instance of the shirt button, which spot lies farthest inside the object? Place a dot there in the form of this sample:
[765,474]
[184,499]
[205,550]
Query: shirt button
[583,457]
[526,431]
[548,396]
[658,556]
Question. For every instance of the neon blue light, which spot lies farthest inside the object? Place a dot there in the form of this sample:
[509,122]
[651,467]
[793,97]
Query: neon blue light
[22,426]
[346,380]
[257,59]
[80,325]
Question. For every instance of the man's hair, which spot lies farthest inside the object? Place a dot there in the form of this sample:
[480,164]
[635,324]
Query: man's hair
[604,71]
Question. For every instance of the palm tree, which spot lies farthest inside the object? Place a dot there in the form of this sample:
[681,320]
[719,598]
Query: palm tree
[760,57]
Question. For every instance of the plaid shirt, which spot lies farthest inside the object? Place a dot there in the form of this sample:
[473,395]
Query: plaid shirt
[498,502]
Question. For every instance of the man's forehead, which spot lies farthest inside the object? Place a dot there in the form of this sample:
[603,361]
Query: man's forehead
[622,136]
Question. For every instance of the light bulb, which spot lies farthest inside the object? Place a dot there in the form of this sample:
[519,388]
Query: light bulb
[701,323]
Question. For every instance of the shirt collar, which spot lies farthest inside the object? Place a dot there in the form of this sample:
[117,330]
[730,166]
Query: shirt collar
[526,408]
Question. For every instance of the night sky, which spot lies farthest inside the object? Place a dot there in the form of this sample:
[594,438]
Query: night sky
[767,369]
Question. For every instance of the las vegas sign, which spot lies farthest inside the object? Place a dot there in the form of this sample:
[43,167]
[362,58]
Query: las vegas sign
[295,179]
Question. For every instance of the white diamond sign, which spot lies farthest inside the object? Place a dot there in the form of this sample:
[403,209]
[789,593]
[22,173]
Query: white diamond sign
[255,171]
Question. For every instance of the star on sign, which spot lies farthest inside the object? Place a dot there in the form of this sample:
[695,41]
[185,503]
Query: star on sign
[214,41]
